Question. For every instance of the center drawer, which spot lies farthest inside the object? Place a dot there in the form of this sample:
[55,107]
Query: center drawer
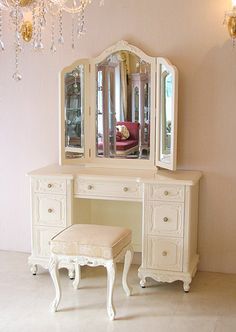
[129,190]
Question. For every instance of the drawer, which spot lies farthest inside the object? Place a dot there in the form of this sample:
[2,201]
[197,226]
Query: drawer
[164,218]
[49,185]
[41,238]
[164,253]
[165,192]
[49,210]
[128,190]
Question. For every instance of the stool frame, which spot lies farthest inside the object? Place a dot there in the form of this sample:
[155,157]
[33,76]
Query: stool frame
[109,264]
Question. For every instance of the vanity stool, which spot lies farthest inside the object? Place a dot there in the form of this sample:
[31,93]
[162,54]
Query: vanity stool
[92,245]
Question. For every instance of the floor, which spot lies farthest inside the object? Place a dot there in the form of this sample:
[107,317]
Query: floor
[210,306]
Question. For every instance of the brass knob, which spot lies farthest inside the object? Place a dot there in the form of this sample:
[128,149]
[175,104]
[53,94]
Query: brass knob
[164,253]
[165,219]
[125,189]
[166,193]
[49,185]
[50,210]
[90,187]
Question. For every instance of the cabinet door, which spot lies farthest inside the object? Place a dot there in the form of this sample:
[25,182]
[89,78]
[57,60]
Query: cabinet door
[165,219]
[41,238]
[167,108]
[164,253]
[49,210]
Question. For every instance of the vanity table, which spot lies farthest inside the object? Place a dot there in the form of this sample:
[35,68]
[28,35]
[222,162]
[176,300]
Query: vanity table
[96,94]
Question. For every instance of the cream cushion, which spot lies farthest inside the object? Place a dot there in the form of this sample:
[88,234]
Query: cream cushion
[91,241]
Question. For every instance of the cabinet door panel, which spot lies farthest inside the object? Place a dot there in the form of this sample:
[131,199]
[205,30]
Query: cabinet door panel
[42,237]
[165,218]
[49,210]
[164,254]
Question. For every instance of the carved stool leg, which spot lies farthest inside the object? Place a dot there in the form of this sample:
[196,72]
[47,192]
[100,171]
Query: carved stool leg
[128,259]
[54,272]
[111,275]
[77,276]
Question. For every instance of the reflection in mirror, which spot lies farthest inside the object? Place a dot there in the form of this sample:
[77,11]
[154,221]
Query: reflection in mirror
[166,101]
[123,106]
[74,113]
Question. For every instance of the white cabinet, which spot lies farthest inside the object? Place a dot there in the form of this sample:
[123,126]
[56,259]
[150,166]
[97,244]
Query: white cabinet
[51,203]
[169,233]
[169,220]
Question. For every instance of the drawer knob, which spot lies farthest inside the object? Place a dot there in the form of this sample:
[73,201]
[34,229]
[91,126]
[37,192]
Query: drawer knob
[165,219]
[164,253]
[50,210]
[90,187]
[49,185]
[166,193]
[125,189]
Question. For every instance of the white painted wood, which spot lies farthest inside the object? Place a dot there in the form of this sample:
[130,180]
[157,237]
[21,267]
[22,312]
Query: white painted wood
[54,272]
[164,218]
[128,260]
[57,261]
[176,236]
[171,162]
[91,106]
[169,251]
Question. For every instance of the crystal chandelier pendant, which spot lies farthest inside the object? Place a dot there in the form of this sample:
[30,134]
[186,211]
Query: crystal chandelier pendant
[2,46]
[17,76]
[32,18]
[38,46]
[61,40]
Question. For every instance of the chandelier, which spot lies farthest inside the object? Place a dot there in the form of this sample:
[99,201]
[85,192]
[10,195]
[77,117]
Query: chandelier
[230,21]
[30,19]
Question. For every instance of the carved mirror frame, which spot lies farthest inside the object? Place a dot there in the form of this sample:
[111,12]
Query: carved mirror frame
[90,109]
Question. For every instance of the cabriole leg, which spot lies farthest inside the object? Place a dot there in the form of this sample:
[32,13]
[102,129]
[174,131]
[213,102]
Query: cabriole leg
[34,269]
[111,275]
[186,286]
[54,272]
[128,259]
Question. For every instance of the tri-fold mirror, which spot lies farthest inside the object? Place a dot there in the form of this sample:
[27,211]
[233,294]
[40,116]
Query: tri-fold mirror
[119,109]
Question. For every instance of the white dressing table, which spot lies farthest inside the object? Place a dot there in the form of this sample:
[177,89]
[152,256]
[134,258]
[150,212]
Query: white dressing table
[118,124]
[169,213]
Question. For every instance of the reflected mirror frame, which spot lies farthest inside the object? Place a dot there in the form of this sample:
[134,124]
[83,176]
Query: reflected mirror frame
[169,163]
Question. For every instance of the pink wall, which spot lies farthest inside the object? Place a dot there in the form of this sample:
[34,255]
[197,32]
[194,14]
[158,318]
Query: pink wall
[191,35]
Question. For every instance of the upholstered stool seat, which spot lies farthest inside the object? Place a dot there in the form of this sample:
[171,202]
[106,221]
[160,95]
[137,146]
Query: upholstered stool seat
[92,245]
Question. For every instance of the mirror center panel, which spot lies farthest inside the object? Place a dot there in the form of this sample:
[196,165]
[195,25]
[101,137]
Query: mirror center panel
[123,113]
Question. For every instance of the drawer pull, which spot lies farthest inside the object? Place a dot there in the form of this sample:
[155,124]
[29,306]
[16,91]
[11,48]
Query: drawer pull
[125,189]
[165,219]
[90,187]
[49,185]
[166,193]
[50,210]
[164,253]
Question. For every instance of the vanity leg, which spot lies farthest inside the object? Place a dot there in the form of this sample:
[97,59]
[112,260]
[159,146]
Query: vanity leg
[34,269]
[186,286]
[143,282]
[71,272]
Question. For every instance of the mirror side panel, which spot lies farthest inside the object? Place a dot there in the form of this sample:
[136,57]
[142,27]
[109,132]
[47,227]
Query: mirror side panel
[167,114]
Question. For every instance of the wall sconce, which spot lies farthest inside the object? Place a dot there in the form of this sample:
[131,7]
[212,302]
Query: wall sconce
[230,21]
